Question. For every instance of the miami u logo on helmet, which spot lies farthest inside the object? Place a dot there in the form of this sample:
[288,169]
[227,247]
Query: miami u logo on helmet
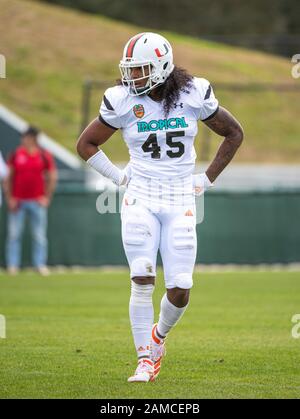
[159,54]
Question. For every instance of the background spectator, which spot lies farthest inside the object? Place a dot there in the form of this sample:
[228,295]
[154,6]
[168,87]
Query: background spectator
[28,189]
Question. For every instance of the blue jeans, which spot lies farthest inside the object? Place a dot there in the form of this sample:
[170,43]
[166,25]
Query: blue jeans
[38,225]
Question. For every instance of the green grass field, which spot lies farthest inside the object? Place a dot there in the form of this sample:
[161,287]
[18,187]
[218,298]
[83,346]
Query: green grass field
[68,336]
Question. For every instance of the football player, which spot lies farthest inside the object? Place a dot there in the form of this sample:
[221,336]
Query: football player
[157,106]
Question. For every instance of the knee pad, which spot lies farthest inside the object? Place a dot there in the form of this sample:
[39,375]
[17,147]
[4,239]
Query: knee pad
[184,281]
[141,294]
[142,266]
[184,235]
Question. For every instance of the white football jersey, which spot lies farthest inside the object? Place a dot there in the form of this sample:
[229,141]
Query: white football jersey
[161,148]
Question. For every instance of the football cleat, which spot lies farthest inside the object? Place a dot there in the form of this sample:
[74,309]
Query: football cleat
[157,350]
[143,373]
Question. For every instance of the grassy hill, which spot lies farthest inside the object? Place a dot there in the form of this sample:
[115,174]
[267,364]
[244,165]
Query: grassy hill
[50,51]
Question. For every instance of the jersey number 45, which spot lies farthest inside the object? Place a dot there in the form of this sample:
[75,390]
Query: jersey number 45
[151,145]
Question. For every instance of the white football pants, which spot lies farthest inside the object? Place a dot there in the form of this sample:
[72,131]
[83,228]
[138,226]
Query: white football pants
[171,230]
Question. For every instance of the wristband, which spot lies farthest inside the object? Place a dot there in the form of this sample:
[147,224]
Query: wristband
[101,163]
[201,183]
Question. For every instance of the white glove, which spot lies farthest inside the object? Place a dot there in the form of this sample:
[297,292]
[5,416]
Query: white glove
[127,175]
[201,183]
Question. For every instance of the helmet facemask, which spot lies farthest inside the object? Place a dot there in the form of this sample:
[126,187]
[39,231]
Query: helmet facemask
[132,84]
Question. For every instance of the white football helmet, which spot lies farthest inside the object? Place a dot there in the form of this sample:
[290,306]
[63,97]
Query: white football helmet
[153,54]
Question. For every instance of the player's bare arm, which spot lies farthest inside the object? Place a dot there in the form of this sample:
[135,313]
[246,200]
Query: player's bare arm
[226,125]
[94,135]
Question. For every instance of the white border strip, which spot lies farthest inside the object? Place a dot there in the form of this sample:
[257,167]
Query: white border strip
[60,152]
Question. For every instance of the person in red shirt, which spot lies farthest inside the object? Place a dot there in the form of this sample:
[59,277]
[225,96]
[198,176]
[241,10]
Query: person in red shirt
[28,190]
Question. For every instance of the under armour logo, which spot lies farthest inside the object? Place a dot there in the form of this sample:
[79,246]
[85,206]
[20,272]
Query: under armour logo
[179,105]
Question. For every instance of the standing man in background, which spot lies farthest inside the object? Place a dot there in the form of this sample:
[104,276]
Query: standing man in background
[28,190]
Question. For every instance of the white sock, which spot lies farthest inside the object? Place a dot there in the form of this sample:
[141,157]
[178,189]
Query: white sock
[169,316]
[141,315]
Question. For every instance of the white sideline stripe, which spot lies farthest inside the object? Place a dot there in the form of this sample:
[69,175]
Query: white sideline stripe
[60,152]
[48,143]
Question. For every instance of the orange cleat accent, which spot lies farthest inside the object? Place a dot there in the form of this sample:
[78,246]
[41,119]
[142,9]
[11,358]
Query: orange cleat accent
[158,351]
[143,373]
